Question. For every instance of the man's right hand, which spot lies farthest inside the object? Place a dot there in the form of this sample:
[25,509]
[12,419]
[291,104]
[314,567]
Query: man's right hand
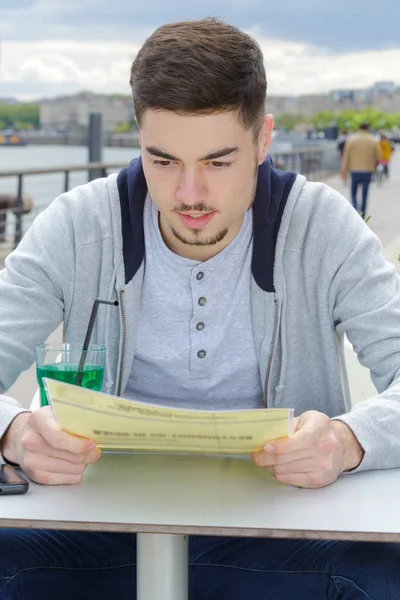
[46,453]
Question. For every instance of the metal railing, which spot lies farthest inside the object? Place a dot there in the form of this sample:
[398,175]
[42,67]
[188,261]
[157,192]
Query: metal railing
[315,163]
[93,169]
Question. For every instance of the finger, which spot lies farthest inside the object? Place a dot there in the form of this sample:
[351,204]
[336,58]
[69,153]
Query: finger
[309,465]
[264,459]
[310,426]
[94,456]
[324,447]
[80,459]
[34,443]
[45,424]
[305,480]
[48,478]
[38,463]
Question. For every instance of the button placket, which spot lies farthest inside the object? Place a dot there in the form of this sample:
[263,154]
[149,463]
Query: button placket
[198,330]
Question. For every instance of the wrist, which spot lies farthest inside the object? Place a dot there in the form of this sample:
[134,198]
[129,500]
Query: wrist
[352,452]
[10,442]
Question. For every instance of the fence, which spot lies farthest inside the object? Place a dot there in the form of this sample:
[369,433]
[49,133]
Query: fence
[315,163]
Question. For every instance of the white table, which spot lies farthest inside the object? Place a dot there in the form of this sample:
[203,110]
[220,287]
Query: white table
[165,498]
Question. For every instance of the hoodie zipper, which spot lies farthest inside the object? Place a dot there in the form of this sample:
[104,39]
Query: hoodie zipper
[123,314]
[274,333]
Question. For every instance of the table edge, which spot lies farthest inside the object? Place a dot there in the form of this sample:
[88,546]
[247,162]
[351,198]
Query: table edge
[365,536]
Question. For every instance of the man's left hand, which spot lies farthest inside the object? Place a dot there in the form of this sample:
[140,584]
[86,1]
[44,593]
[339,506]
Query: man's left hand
[315,455]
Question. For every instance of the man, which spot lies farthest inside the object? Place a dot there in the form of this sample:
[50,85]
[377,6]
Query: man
[360,157]
[236,284]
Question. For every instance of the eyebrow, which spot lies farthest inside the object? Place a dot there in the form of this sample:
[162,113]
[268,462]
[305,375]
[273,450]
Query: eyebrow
[154,151]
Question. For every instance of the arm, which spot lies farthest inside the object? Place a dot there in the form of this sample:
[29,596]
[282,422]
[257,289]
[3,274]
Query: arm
[39,276]
[365,300]
[32,298]
[363,296]
[32,293]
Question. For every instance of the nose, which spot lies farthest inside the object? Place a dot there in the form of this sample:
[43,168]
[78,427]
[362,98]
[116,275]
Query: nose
[191,188]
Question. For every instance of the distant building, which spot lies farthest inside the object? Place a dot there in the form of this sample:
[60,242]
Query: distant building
[342,96]
[384,95]
[72,112]
[383,87]
[282,104]
[313,103]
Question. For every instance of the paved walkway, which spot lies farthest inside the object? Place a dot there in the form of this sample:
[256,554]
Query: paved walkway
[384,208]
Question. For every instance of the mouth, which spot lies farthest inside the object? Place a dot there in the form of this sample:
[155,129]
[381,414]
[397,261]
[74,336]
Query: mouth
[196,221]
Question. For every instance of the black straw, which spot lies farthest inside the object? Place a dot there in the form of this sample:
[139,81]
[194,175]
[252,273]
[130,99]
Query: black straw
[88,335]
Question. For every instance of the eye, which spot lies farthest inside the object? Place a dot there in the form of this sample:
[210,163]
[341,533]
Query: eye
[162,163]
[219,165]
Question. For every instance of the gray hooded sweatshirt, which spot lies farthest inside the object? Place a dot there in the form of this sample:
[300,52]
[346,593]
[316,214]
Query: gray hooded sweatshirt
[317,272]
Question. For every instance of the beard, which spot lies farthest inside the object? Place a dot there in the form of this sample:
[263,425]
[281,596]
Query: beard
[197,240]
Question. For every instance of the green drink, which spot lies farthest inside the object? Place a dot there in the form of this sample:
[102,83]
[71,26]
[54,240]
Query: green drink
[92,376]
[62,362]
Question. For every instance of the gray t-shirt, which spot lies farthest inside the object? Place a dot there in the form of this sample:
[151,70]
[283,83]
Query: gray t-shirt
[194,346]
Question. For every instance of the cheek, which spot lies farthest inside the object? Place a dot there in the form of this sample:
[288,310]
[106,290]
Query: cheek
[161,185]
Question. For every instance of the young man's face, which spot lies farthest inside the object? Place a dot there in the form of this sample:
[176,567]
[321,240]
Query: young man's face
[201,173]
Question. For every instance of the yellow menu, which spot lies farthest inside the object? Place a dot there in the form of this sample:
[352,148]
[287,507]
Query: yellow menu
[128,425]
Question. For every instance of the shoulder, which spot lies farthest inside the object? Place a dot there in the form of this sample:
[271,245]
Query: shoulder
[322,216]
[86,211]
[93,196]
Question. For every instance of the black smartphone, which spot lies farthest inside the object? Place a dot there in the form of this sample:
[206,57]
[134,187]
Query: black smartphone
[12,481]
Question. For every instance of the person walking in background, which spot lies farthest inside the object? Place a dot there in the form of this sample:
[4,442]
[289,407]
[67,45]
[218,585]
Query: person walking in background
[386,149]
[342,142]
[360,157]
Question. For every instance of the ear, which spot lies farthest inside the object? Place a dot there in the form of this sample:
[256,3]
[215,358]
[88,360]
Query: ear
[265,138]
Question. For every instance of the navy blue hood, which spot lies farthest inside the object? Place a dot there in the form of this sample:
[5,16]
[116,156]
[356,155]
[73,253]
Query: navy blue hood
[273,188]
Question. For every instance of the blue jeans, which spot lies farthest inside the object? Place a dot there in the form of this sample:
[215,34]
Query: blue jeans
[364,179]
[55,565]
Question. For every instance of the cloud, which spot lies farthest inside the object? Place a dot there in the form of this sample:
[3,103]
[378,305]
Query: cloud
[50,68]
[340,26]
[45,69]
[52,47]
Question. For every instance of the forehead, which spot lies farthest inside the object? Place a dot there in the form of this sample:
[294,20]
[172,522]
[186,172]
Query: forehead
[192,135]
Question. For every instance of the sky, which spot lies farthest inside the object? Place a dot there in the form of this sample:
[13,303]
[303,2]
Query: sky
[57,47]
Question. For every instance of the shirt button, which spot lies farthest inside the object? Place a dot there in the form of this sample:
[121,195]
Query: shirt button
[200,326]
[199,275]
[202,301]
[201,353]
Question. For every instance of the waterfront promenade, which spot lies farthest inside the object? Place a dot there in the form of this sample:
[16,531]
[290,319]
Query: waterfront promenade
[384,208]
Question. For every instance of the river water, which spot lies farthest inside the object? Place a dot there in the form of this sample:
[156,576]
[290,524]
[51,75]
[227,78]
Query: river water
[44,188]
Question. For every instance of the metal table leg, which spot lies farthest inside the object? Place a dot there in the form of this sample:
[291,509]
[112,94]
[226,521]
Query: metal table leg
[162,567]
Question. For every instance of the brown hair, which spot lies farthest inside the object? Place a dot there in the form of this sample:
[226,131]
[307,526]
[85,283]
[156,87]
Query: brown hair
[199,67]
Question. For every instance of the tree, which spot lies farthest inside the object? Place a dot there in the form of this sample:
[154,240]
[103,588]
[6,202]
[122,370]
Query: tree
[17,116]
[323,119]
[288,120]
